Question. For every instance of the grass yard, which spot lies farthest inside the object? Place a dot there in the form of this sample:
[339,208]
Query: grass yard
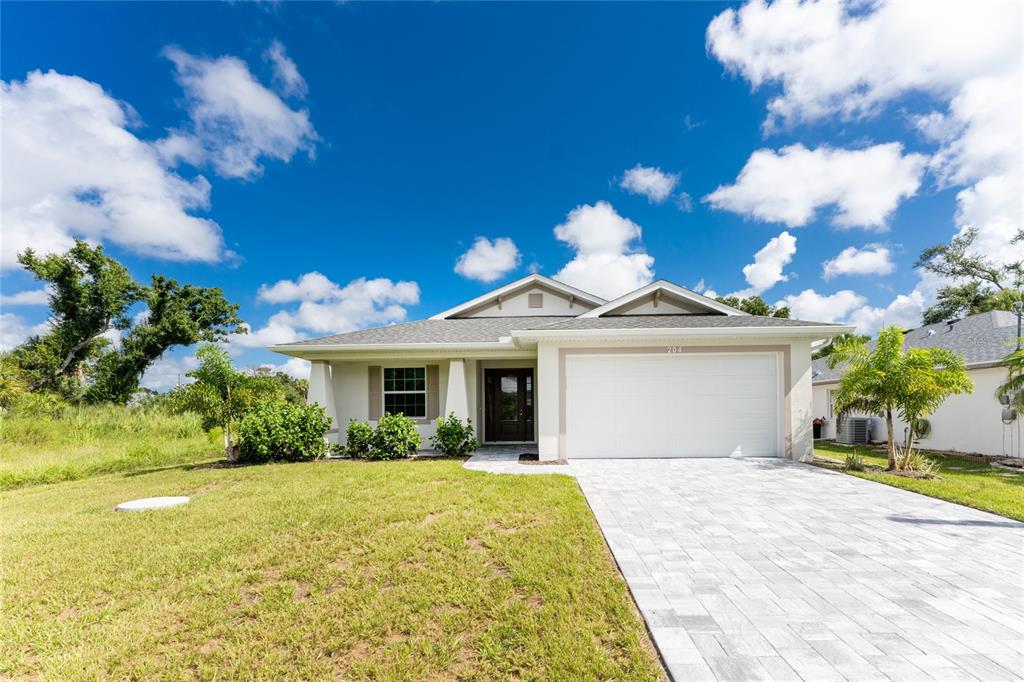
[87,441]
[965,481]
[349,570]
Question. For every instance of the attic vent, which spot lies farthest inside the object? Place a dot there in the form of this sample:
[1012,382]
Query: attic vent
[536,300]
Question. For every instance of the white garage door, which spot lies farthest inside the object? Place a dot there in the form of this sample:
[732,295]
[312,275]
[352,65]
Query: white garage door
[672,405]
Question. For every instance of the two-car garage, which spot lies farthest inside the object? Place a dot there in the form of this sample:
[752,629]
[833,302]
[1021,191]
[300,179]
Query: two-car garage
[672,403]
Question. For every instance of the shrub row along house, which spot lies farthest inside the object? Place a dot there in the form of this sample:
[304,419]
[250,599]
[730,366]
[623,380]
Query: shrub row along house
[659,372]
[969,423]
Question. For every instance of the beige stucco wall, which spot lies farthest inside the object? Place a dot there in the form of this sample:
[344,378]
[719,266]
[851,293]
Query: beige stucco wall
[351,390]
[964,423]
[554,303]
[796,419]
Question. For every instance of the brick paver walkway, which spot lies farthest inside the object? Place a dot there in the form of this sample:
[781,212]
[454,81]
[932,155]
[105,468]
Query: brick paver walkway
[771,570]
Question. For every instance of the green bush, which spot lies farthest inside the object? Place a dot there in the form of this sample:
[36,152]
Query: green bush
[395,437]
[452,437]
[854,462]
[37,404]
[358,438]
[283,431]
[921,465]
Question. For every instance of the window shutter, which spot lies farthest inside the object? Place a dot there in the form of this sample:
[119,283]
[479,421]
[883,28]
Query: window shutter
[433,407]
[376,392]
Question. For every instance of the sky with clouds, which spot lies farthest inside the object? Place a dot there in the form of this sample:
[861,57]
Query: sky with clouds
[337,166]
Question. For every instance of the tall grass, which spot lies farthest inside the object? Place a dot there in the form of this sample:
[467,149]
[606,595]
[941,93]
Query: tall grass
[78,442]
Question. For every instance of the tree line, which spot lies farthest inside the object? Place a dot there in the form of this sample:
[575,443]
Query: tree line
[94,300]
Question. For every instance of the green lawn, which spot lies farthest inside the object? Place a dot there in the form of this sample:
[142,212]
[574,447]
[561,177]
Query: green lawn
[345,570]
[965,481]
[89,441]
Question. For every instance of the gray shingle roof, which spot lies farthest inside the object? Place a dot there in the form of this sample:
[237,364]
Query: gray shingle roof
[984,338]
[678,322]
[457,330]
[492,329]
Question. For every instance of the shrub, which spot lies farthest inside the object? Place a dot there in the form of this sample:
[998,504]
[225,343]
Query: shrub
[358,438]
[37,404]
[283,431]
[452,437]
[394,438]
[919,464]
[854,462]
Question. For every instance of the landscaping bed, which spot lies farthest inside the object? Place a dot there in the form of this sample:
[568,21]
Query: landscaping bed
[344,570]
[970,481]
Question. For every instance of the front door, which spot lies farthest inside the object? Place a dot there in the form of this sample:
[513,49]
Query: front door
[509,404]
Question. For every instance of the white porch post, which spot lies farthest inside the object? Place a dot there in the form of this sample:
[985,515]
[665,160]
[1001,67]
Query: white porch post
[457,399]
[321,392]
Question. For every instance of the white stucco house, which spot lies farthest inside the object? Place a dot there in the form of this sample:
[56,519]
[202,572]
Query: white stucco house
[659,372]
[968,423]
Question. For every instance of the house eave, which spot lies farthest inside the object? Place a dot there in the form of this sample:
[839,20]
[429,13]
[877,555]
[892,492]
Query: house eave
[814,332]
[319,350]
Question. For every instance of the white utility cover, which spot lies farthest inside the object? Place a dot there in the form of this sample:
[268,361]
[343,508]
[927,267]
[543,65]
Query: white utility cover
[147,503]
[672,405]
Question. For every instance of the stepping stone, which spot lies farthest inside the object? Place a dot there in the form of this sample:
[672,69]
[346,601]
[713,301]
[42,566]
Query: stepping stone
[151,503]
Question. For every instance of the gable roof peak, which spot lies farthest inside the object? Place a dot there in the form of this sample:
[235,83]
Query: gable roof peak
[521,283]
[713,306]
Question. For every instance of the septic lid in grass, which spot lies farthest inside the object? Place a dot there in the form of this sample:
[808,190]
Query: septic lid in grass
[151,503]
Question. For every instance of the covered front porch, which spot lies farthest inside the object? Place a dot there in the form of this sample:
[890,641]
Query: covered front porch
[497,394]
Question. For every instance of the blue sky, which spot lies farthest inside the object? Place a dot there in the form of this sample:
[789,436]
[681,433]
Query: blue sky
[245,146]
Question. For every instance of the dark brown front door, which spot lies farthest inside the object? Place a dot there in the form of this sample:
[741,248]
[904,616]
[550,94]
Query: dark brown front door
[509,404]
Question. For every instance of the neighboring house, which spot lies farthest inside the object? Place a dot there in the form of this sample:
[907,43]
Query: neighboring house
[970,423]
[659,372]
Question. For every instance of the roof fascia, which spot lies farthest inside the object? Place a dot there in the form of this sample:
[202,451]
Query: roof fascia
[813,331]
[535,278]
[663,285]
[297,350]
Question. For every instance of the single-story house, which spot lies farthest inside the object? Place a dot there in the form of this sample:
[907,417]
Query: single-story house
[659,372]
[969,423]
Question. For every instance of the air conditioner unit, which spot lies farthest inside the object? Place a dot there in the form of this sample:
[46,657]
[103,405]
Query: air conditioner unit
[853,431]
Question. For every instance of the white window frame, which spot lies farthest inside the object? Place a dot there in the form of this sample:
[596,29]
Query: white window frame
[384,392]
[829,400]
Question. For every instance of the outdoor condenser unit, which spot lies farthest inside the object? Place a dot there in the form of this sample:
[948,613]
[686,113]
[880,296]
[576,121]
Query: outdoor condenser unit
[854,431]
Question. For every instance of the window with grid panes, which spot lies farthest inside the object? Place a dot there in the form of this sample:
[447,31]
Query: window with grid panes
[405,391]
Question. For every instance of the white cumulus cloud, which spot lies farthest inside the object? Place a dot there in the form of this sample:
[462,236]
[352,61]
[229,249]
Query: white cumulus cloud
[168,372]
[287,78]
[810,305]
[870,260]
[329,308]
[905,311]
[312,286]
[14,330]
[72,167]
[235,120]
[294,367]
[488,260]
[29,297]
[653,183]
[766,270]
[606,262]
[789,185]
[853,60]
[848,307]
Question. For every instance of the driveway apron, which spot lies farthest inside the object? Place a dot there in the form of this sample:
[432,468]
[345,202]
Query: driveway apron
[761,569]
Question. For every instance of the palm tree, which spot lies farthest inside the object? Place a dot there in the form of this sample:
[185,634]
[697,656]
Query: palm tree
[888,380]
[1013,386]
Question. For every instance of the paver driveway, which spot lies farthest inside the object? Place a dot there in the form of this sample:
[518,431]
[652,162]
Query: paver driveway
[767,569]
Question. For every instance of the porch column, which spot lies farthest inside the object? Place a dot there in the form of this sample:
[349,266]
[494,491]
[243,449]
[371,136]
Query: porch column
[457,398]
[321,392]
[550,436]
